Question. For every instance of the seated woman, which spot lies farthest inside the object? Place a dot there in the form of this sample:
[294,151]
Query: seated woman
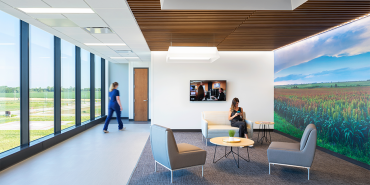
[237,119]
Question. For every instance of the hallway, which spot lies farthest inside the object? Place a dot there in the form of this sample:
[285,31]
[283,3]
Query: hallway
[91,157]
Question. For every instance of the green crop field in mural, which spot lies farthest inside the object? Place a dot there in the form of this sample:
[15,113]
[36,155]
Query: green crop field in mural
[325,80]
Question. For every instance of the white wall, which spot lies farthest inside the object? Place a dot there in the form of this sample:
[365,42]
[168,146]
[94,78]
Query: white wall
[249,75]
[119,72]
[133,65]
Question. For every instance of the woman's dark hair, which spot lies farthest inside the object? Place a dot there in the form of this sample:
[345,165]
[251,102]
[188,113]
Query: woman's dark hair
[233,103]
[200,93]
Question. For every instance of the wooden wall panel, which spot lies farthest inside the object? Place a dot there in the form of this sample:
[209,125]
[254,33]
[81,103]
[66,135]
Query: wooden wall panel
[241,30]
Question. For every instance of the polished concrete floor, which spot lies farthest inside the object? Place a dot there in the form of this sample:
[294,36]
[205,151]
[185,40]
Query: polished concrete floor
[91,157]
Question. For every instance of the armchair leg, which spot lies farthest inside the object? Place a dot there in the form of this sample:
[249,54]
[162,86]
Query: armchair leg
[206,142]
[155,166]
[202,170]
[202,137]
[171,176]
[269,168]
[308,173]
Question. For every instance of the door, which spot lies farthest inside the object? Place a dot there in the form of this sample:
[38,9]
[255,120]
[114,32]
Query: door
[141,94]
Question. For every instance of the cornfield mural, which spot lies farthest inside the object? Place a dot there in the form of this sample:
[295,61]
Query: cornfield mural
[325,80]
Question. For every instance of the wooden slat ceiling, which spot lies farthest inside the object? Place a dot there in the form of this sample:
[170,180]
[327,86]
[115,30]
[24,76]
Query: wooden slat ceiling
[241,30]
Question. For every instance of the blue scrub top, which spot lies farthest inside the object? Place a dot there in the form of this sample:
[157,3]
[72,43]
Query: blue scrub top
[112,96]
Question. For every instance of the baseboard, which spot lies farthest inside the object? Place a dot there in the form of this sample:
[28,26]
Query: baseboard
[358,163]
[200,130]
[186,130]
[121,118]
[18,154]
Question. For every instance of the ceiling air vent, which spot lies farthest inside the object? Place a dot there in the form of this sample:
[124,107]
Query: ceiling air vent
[98,30]
[124,51]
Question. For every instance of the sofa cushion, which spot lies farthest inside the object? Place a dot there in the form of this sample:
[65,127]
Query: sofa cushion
[217,117]
[221,128]
[284,146]
[184,147]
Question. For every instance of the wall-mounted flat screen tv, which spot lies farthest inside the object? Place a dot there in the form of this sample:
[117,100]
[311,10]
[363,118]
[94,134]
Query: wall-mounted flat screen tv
[208,90]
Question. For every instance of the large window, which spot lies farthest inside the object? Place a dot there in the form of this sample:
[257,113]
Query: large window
[97,86]
[9,82]
[85,85]
[68,64]
[23,46]
[41,83]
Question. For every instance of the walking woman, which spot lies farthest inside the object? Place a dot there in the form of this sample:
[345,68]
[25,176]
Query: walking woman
[236,118]
[114,106]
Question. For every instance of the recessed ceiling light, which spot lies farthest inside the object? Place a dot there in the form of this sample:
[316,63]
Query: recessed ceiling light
[105,44]
[57,10]
[124,57]
[98,30]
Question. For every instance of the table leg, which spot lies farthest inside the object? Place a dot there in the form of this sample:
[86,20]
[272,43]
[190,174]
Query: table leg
[270,134]
[233,153]
[259,130]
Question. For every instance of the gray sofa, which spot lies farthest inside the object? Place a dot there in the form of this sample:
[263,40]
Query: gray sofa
[217,124]
[295,154]
[171,155]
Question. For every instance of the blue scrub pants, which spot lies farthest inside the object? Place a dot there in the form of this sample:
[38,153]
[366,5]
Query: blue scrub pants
[114,107]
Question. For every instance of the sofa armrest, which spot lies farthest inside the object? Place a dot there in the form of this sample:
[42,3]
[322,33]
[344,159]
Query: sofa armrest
[204,127]
[249,128]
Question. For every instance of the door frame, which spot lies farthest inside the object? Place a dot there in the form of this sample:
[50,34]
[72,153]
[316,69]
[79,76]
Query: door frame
[133,90]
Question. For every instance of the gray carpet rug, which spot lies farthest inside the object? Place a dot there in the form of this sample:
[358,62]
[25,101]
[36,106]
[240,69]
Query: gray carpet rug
[326,169]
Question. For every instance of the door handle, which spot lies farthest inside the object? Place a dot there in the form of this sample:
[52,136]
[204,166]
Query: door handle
[145,100]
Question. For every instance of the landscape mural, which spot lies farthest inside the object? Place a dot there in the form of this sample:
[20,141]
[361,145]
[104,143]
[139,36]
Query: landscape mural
[325,80]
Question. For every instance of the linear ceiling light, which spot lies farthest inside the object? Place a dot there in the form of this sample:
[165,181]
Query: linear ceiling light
[57,10]
[124,57]
[192,54]
[105,44]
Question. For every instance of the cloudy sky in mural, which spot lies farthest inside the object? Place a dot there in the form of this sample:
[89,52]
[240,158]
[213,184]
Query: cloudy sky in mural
[342,54]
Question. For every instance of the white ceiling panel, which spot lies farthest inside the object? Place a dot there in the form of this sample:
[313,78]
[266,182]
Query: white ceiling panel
[67,3]
[84,39]
[111,41]
[17,13]
[120,47]
[80,16]
[107,37]
[128,54]
[106,3]
[114,14]
[113,54]
[47,16]
[101,48]
[71,30]
[4,6]
[58,22]
[26,3]
[90,23]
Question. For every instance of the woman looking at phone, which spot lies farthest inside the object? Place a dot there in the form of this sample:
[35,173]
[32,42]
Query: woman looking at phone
[236,118]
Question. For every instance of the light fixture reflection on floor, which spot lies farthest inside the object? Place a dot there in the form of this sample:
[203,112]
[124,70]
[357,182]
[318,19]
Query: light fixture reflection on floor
[179,54]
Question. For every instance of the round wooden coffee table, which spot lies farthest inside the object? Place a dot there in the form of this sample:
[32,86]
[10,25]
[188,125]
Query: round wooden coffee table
[263,124]
[218,141]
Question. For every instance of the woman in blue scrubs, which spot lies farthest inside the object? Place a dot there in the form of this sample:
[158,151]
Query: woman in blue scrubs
[114,106]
